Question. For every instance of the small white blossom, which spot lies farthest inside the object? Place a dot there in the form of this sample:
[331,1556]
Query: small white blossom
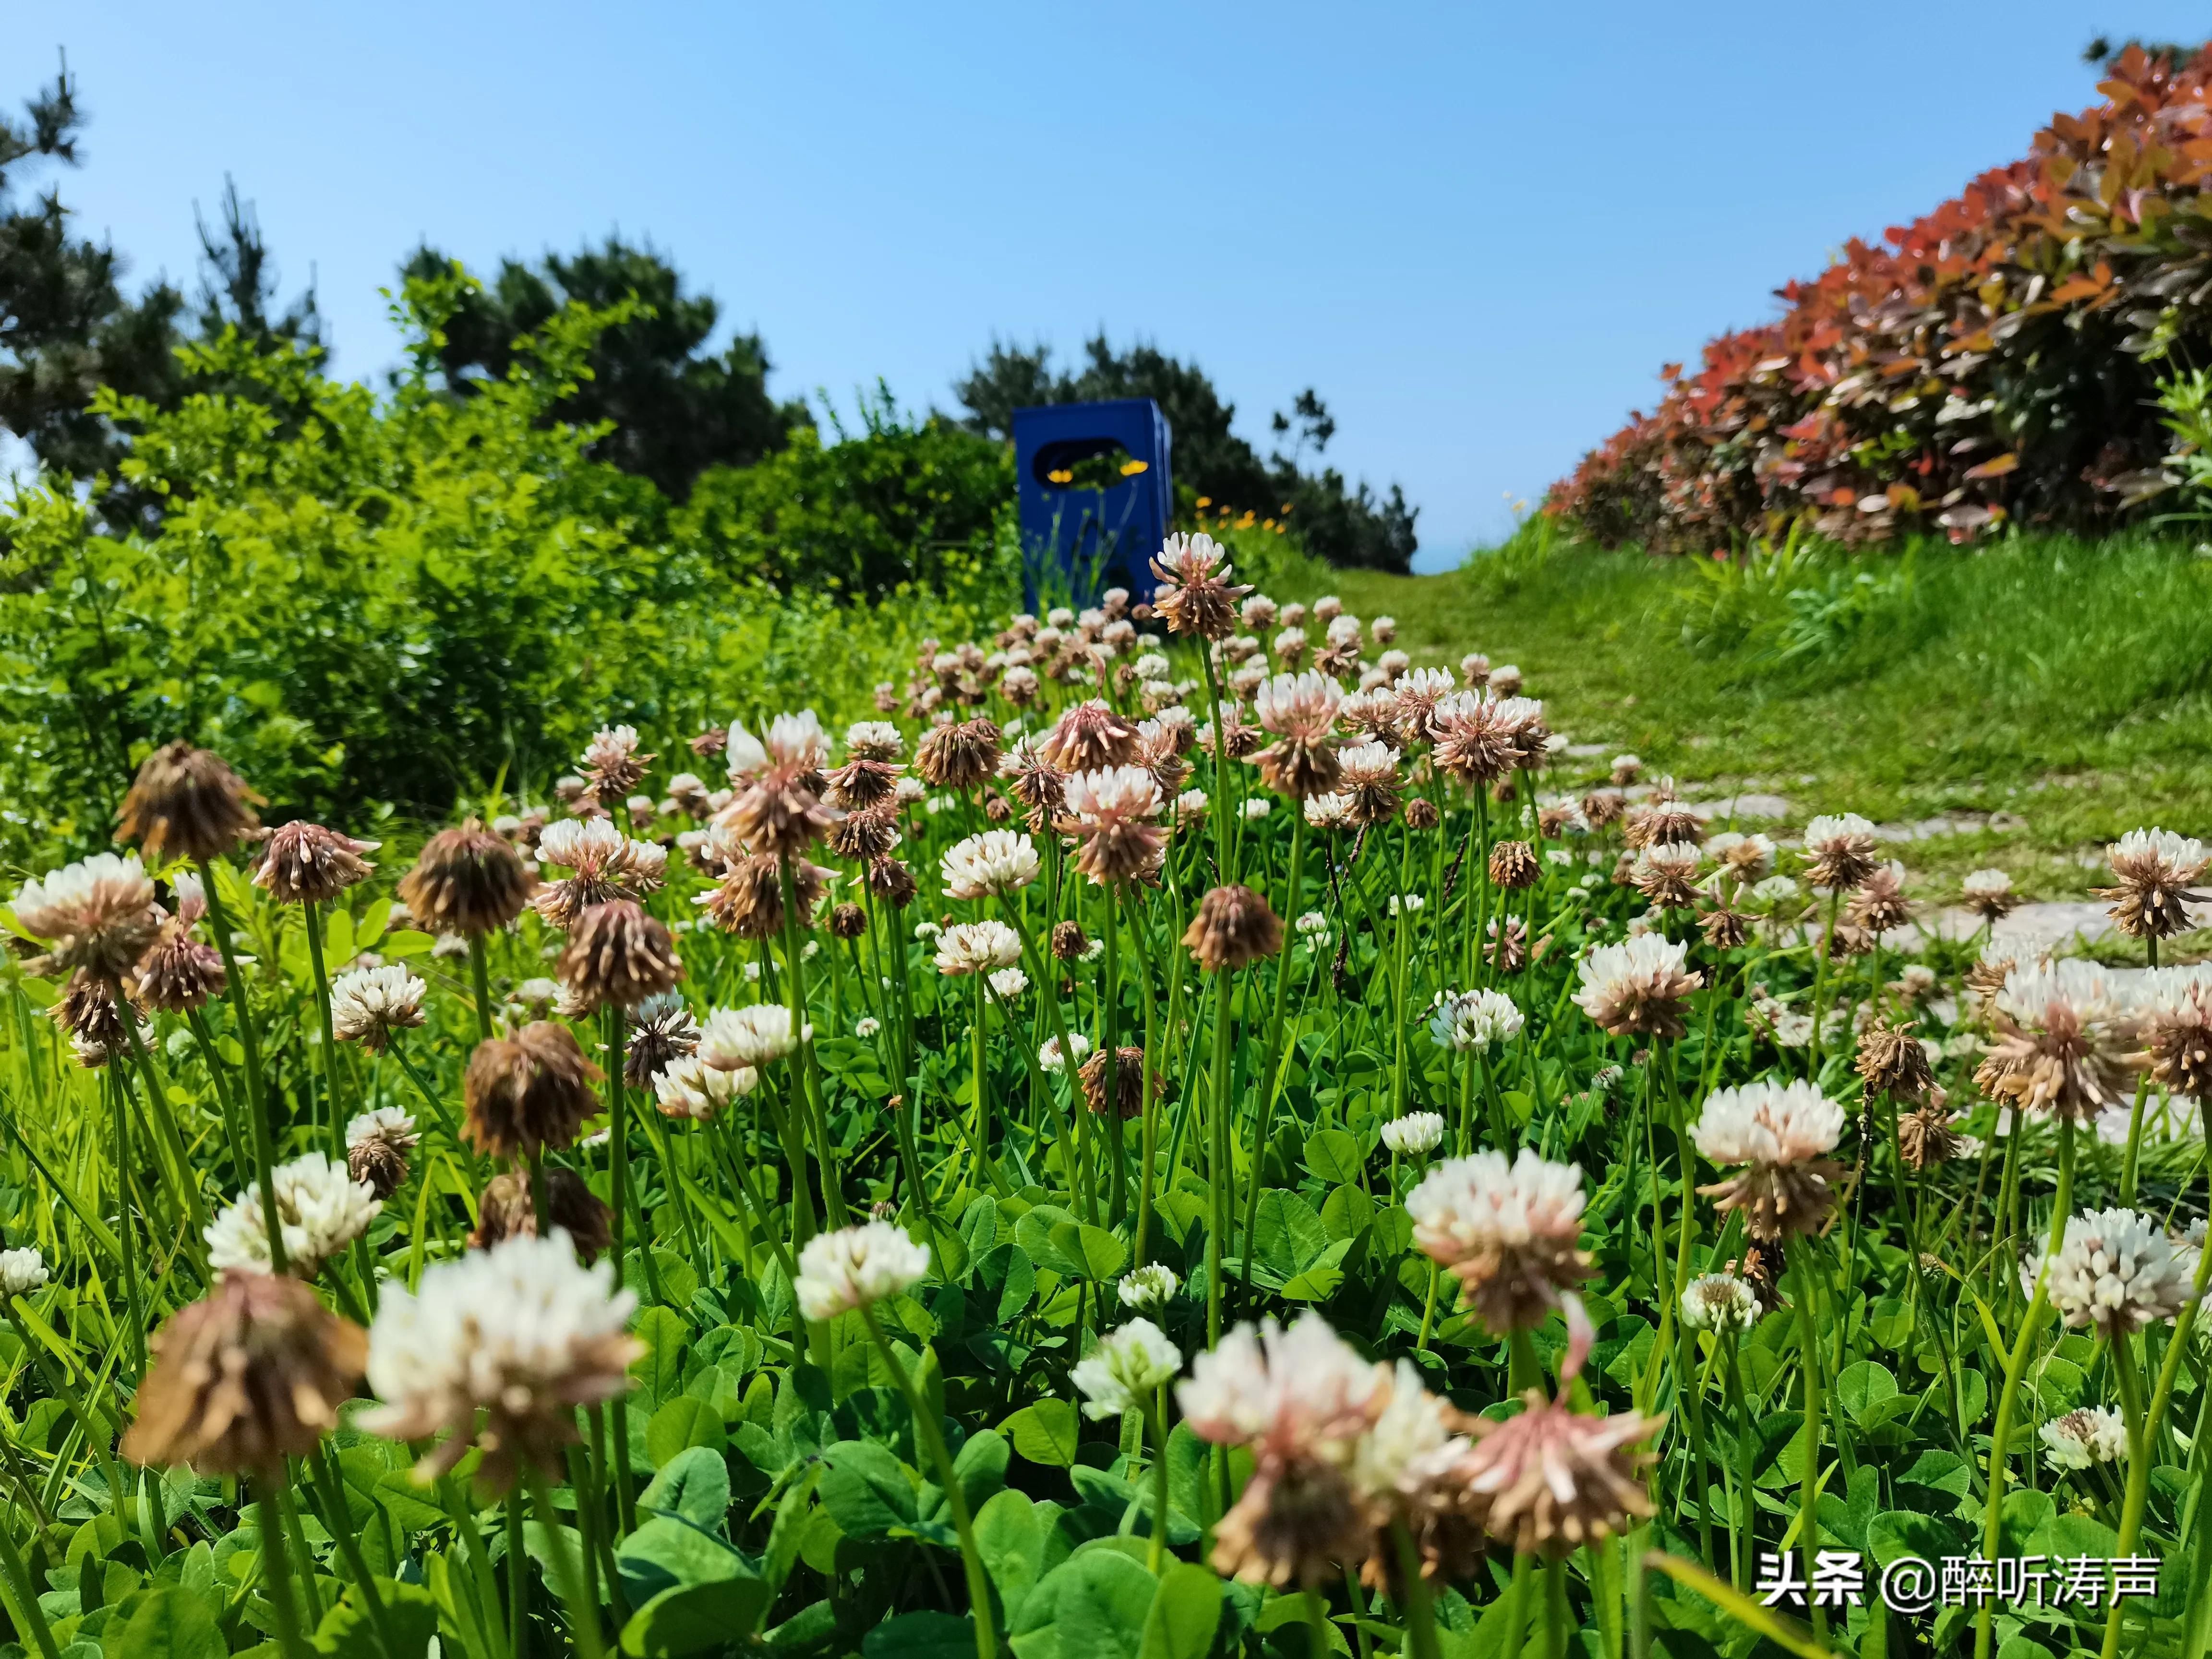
[388,1123]
[977,947]
[23,1271]
[1415,1133]
[2115,1269]
[857,1267]
[1008,983]
[2092,1434]
[995,862]
[866,1026]
[1121,1373]
[1049,1051]
[754,1036]
[1719,1301]
[368,1004]
[1150,1286]
[1474,1021]
[320,1207]
[1257,807]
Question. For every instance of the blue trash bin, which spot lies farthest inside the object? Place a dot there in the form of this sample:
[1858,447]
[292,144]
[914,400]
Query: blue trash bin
[1096,497]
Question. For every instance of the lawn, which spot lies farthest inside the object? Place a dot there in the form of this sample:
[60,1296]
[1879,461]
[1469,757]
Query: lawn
[2050,693]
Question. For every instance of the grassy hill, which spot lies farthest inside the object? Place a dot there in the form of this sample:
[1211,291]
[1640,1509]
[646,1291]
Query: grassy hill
[2044,693]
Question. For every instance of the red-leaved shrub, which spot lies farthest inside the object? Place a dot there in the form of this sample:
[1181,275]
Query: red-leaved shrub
[1996,359]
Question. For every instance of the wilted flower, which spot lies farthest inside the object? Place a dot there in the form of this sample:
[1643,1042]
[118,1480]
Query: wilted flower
[1880,903]
[1781,1133]
[1664,820]
[1234,928]
[2115,1269]
[661,1032]
[1367,776]
[1509,1232]
[618,956]
[1300,711]
[98,914]
[368,1004]
[1129,1080]
[1929,1134]
[1665,873]
[608,866]
[857,1267]
[377,1144]
[1121,1373]
[304,863]
[2062,1032]
[506,1209]
[521,1333]
[250,1374]
[528,1091]
[1551,1480]
[960,756]
[1719,1301]
[2154,877]
[1745,858]
[1893,1061]
[1195,595]
[1840,849]
[1112,814]
[612,766]
[1088,737]
[319,1206]
[1413,1134]
[1638,988]
[2087,1435]
[185,803]
[467,880]
[1988,894]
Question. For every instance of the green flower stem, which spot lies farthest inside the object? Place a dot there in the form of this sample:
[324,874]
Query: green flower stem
[931,1436]
[1747,1451]
[277,1568]
[1220,1175]
[176,1163]
[257,1099]
[437,1107]
[133,1297]
[98,1438]
[2015,1367]
[583,1610]
[313,916]
[1803,1279]
[1224,833]
[806,1091]
[518,1579]
[480,982]
[483,1579]
[29,1615]
[2134,1128]
[322,1469]
[618,1135]
[1159,1423]
[1048,984]
[240,1159]
[1109,1020]
[310,1597]
[1420,1606]
[1558,1616]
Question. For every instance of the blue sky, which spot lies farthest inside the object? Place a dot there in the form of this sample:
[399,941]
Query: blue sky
[1477,231]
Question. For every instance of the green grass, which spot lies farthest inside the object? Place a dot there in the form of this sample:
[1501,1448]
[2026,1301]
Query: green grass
[2067,684]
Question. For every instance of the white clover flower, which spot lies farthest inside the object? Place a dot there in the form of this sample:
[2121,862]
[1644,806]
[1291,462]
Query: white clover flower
[1257,807]
[689,1087]
[320,1207]
[1638,987]
[1986,884]
[2115,1269]
[1749,858]
[1410,1445]
[387,1123]
[1049,1051]
[1123,1371]
[2092,1434]
[926,931]
[755,1037]
[866,1026]
[1008,983]
[1768,1123]
[1409,903]
[98,914]
[522,1331]
[1190,805]
[1831,829]
[1092,951]
[995,862]
[857,1267]
[1153,1285]
[21,1272]
[368,1004]
[1313,925]
[1719,1301]
[1299,1393]
[537,995]
[1151,667]
[977,947]
[1475,1021]
[1774,890]
[1511,1232]
[1329,810]
[1415,1133]
[798,741]
[874,740]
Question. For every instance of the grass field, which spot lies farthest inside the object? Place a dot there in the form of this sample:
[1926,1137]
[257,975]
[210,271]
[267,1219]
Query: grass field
[2064,685]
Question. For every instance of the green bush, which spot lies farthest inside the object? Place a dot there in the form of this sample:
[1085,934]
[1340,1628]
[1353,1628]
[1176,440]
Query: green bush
[401,599]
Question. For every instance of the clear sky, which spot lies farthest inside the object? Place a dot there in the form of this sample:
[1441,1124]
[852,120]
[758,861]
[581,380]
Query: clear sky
[1478,230]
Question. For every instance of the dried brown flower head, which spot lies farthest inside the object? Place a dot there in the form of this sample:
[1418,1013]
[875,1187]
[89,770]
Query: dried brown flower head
[1892,1060]
[1067,940]
[1840,850]
[467,880]
[1194,597]
[1725,929]
[1506,947]
[848,922]
[2154,877]
[1298,1521]
[1087,737]
[186,803]
[711,742]
[1880,903]
[2062,1033]
[1665,873]
[1929,1134]
[865,836]
[617,956]
[1602,806]
[859,784]
[506,1210]
[304,863]
[1234,928]
[1128,1081]
[959,756]
[749,900]
[612,765]
[528,1091]
[252,1373]
[2177,1036]
[661,1031]
[890,880]
[1513,863]
[1552,1479]
[87,1011]
[178,974]
[1421,813]
[1763,1264]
